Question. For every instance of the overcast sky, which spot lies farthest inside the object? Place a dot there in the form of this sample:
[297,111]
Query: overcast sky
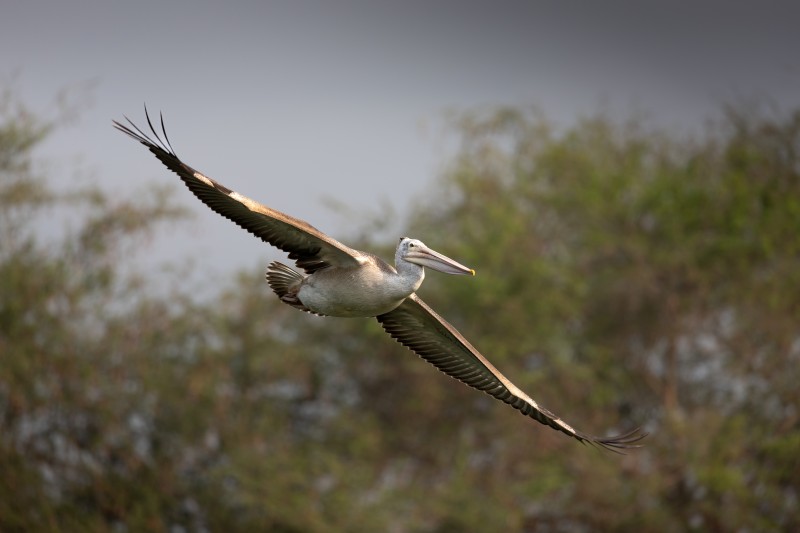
[293,102]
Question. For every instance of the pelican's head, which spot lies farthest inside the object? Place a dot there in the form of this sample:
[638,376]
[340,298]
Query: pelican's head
[416,252]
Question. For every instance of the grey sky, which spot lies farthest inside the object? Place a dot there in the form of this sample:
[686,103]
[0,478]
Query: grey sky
[291,102]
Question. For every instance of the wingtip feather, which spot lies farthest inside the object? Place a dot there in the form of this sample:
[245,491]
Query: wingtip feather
[619,443]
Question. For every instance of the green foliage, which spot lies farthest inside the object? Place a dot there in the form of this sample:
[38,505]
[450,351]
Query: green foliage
[624,276]
[660,275]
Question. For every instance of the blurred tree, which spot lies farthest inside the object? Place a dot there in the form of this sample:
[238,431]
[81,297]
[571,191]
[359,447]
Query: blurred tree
[624,276]
[660,280]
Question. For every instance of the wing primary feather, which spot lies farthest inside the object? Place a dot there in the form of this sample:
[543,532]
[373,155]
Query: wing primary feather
[166,137]
[155,134]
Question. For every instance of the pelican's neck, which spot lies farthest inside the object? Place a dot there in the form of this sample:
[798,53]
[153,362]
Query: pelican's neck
[411,275]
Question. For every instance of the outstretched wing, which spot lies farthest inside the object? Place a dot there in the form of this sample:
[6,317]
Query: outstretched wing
[310,248]
[419,328]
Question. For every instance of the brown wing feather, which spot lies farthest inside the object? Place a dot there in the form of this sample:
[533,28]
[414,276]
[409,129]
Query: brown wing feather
[310,248]
[419,328]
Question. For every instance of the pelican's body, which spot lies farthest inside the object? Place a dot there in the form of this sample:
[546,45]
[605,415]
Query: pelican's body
[342,282]
[358,291]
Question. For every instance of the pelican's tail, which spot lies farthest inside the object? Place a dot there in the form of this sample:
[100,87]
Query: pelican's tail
[285,282]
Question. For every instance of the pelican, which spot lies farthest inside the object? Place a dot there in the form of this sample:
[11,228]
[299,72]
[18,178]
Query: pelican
[339,281]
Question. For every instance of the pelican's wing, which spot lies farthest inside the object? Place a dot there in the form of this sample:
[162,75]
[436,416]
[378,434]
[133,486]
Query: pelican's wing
[419,328]
[310,248]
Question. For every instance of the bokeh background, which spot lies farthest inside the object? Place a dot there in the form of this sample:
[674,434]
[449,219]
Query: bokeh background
[624,178]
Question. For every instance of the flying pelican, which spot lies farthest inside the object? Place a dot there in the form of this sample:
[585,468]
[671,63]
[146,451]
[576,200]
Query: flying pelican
[342,282]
